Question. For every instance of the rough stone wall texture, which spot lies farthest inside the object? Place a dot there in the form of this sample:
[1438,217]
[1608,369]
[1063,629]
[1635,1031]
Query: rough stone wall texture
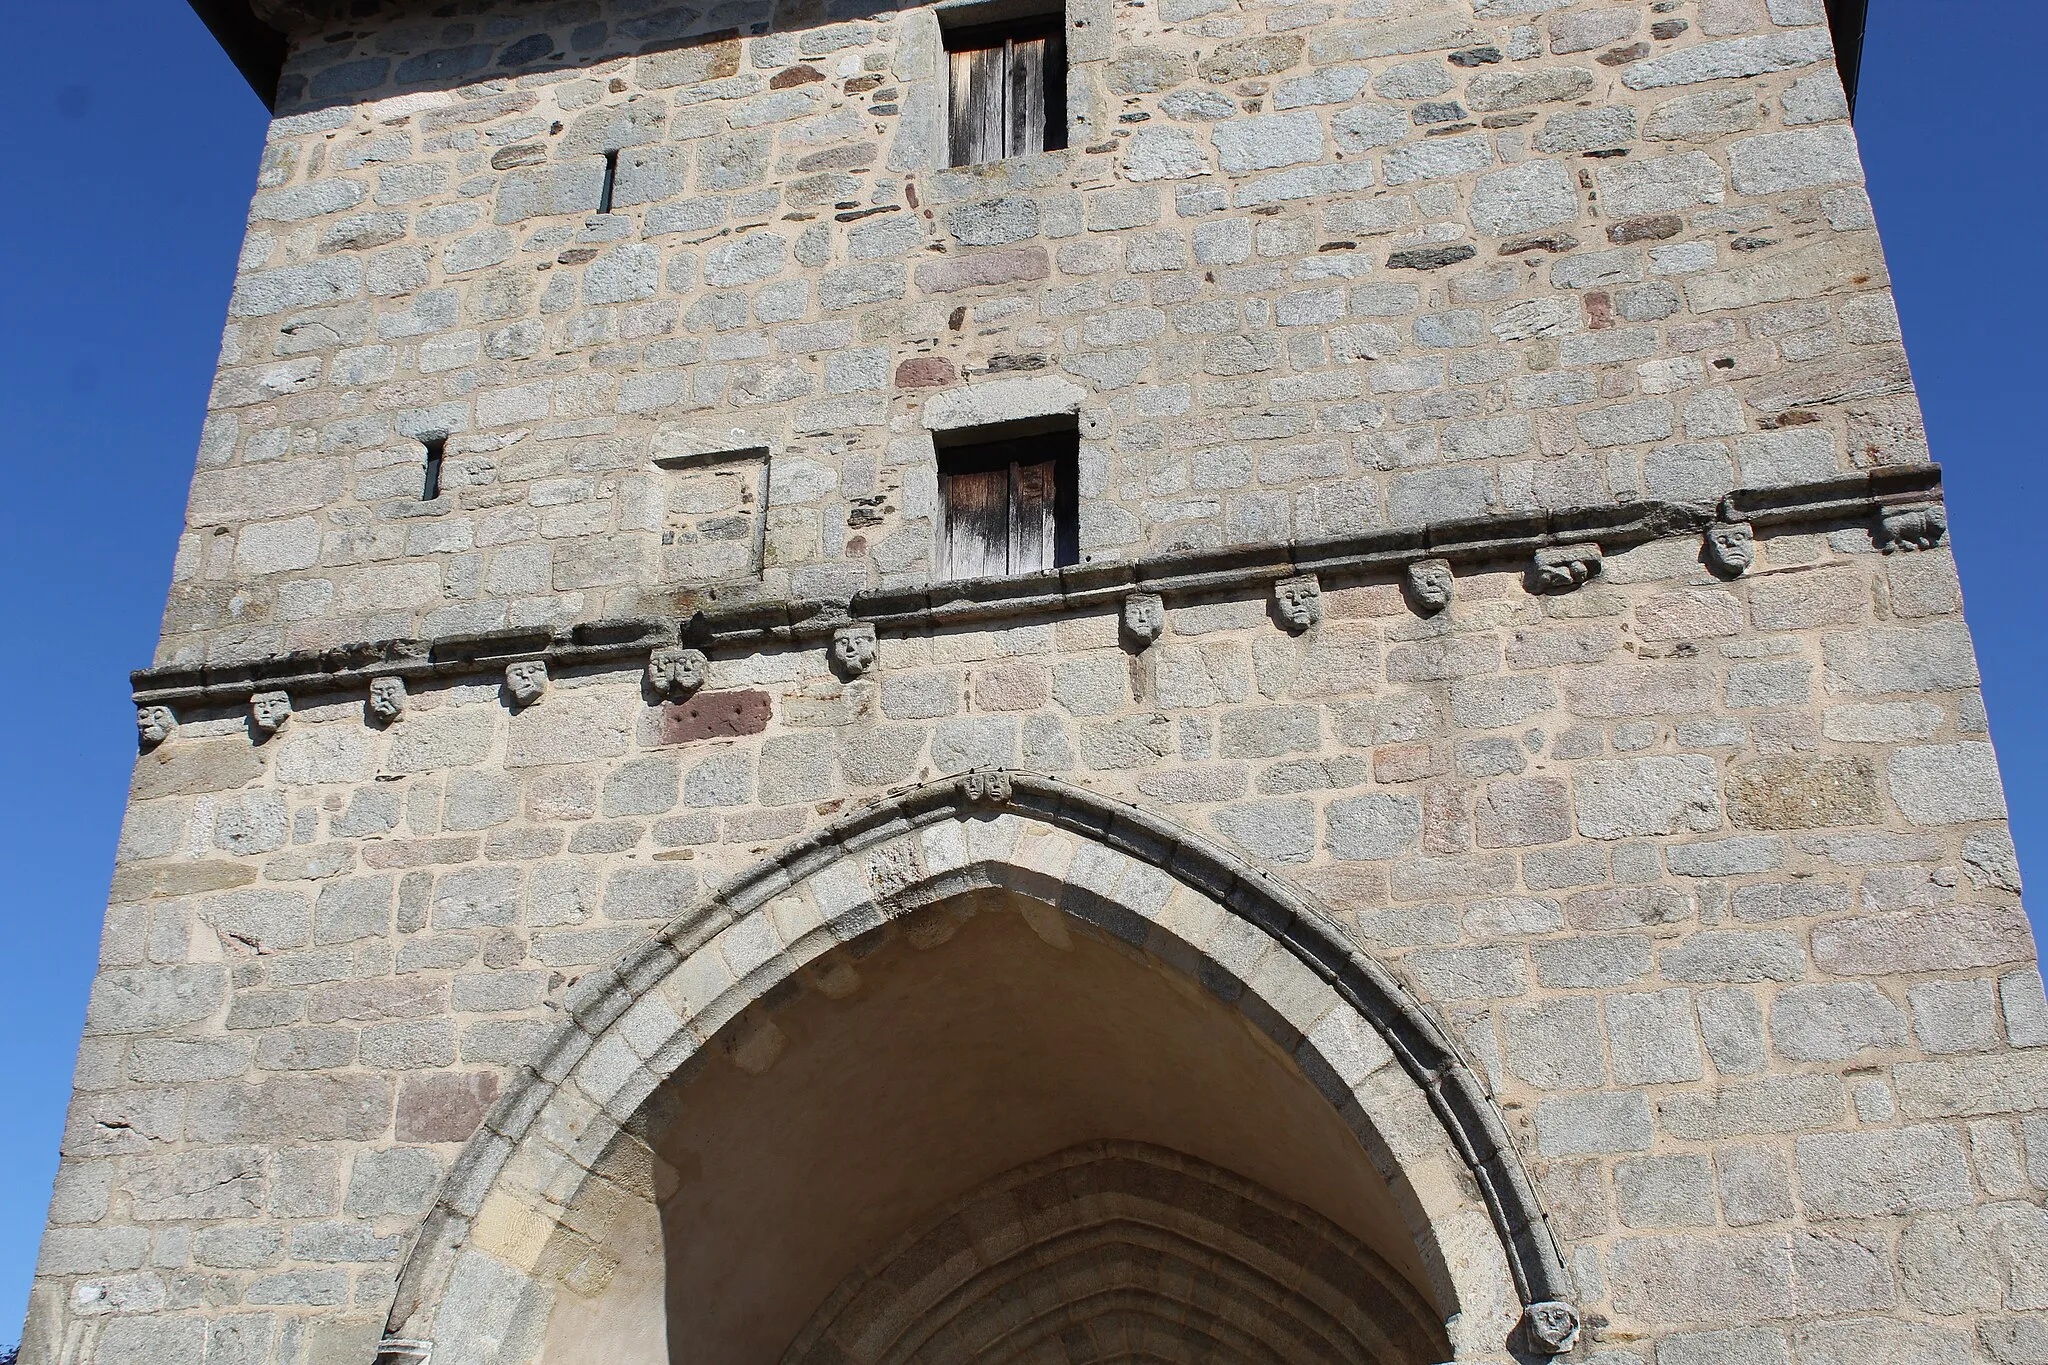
[1710,878]
[1306,272]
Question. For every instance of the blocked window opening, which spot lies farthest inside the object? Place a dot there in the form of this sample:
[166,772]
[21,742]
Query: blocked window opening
[1009,505]
[437,449]
[715,528]
[611,182]
[1007,89]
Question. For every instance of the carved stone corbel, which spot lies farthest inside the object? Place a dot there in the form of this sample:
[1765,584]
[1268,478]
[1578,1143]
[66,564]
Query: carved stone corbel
[986,787]
[1731,542]
[676,671]
[526,681]
[1562,568]
[853,650]
[1144,618]
[1299,601]
[268,711]
[1911,528]
[1431,585]
[387,700]
[153,725]
[1550,1327]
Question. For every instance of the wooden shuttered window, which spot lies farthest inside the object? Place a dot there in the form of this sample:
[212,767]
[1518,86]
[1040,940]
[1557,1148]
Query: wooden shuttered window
[1008,507]
[1008,90]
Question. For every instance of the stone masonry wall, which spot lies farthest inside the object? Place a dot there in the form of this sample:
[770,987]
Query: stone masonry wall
[1710,877]
[1312,271]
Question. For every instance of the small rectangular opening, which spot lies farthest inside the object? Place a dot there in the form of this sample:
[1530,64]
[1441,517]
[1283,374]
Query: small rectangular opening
[1009,504]
[1007,89]
[437,447]
[611,182]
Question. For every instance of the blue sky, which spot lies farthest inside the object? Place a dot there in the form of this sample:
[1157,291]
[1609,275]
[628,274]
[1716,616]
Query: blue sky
[132,161]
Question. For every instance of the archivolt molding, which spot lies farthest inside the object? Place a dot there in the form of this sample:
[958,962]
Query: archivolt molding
[1145,1253]
[1368,1045]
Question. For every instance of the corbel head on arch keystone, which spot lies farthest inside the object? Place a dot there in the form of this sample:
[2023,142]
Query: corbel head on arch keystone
[986,787]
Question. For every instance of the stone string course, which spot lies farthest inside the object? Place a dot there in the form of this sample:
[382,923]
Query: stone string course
[1709,879]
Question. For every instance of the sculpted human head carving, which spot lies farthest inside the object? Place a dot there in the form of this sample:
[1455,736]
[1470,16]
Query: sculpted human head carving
[1431,584]
[986,787]
[527,681]
[1552,1327]
[675,671]
[153,724]
[1144,617]
[853,649]
[1299,600]
[387,699]
[1731,548]
[268,711]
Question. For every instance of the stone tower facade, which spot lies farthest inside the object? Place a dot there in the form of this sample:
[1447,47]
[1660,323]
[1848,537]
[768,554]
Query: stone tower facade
[1451,819]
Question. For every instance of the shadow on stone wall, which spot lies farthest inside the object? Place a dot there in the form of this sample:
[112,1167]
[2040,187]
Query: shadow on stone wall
[343,54]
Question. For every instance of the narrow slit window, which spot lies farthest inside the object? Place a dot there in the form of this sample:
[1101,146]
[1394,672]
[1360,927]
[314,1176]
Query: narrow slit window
[1009,506]
[1008,89]
[437,447]
[611,182]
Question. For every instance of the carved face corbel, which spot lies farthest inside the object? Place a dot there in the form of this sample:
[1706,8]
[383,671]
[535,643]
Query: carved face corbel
[268,711]
[153,725]
[986,787]
[387,699]
[1731,548]
[1144,618]
[1431,585]
[1551,1327]
[526,681]
[1565,567]
[1299,601]
[853,649]
[675,672]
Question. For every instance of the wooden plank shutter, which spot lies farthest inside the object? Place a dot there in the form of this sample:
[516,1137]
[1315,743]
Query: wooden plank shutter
[978,117]
[1031,517]
[1008,90]
[977,531]
[1025,98]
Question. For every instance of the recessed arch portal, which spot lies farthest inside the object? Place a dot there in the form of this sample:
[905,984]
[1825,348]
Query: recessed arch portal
[483,1278]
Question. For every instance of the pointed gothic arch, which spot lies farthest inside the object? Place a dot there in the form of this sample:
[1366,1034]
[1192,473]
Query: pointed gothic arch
[471,1284]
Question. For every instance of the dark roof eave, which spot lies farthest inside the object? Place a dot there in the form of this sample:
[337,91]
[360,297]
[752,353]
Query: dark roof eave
[1847,18]
[258,51]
